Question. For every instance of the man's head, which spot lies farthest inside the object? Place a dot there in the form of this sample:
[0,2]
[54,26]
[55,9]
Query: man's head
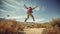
[30,7]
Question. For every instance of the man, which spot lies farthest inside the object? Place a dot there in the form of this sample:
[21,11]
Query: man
[29,11]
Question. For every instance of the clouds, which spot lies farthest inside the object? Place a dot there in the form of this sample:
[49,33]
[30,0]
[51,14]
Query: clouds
[37,9]
[43,8]
[19,6]
[13,4]
[1,10]
[15,17]
[40,20]
[8,4]
[17,11]
[22,18]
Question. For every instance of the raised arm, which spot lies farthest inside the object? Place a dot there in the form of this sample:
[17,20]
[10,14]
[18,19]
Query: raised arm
[25,6]
[35,7]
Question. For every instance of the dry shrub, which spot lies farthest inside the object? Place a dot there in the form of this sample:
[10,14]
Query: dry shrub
[10,26]
[53,22]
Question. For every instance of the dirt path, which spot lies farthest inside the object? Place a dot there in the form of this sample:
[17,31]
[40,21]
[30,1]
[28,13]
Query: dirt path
[34,30]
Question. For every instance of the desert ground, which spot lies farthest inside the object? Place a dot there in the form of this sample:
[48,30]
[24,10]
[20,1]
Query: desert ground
[26,28]
[33,30]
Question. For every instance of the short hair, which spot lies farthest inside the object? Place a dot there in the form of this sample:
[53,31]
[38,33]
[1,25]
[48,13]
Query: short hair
[29,7]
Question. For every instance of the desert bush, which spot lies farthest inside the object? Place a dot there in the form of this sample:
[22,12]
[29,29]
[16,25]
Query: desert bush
[53,22]
[55,27]
[10,26]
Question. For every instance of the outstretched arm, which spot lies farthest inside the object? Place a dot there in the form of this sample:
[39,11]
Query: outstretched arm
[35,7]
[25,6]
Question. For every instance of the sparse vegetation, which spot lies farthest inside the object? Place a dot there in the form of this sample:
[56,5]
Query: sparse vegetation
[8,26]
[53,22]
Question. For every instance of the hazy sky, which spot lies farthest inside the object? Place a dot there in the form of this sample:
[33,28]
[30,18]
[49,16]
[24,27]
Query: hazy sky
[46,10]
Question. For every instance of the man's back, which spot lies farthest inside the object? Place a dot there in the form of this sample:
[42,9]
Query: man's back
[29,10]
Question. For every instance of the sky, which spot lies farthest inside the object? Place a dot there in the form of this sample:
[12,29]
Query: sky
[46,10]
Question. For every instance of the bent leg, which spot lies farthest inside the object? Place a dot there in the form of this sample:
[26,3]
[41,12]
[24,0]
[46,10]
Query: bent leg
[27,18]
[33,17]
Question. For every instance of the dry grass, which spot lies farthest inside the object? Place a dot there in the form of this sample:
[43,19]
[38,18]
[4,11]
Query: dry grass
[8,26]
[28,28]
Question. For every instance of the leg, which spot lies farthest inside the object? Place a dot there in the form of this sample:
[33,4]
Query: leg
[26,18]
[33,17]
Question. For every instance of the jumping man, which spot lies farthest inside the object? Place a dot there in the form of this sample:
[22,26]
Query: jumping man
[29,12]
